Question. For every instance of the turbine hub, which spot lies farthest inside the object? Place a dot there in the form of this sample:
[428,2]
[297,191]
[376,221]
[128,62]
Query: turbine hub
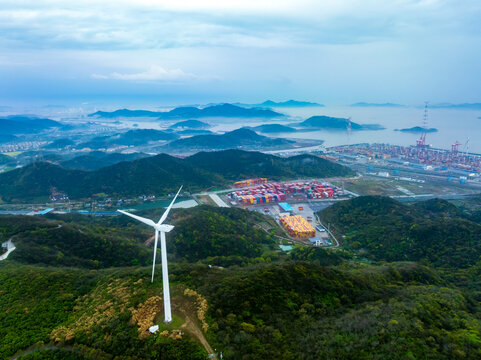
[164,228]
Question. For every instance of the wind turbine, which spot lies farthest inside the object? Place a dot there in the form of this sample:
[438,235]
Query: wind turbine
[162,229]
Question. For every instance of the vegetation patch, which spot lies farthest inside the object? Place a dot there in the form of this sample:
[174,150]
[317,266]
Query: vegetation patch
[434,232]
[145,314]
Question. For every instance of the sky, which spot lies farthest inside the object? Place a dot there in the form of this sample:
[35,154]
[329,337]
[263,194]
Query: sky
[189,51]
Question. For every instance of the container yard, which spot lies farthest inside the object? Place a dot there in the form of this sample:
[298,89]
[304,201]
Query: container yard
[265,193]
[417,157]
[298,227]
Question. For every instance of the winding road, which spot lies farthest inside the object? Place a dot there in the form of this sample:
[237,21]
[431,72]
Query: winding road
[10,247]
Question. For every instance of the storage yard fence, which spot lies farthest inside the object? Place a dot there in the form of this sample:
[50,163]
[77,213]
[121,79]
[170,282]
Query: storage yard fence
[273,192]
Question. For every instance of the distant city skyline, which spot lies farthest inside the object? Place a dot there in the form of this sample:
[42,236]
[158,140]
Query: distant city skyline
[164,52]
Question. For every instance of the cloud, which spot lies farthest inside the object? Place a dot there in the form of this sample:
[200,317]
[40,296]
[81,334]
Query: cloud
[162,24]
[154,73]
[336,48]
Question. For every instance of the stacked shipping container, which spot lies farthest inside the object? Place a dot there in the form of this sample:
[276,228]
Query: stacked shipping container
[273,192]
[298,227]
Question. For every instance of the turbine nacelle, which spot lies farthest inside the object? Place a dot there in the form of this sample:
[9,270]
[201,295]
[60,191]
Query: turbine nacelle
[163,227]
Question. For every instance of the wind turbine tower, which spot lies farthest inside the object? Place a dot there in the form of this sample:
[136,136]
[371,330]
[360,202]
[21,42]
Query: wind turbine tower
[160,228]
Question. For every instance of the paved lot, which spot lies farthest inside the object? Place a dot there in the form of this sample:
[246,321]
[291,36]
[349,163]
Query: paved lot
[218,200]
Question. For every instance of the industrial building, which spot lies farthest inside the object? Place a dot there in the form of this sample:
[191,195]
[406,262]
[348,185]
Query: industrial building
[286,207]
[298,227]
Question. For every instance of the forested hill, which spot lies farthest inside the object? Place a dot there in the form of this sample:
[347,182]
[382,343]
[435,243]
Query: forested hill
[186,112]
[19,124]
[334,123]
[381,228]
[235,164]
[233,139]
[281,310]
[256,303]
[161,174]
[131,137]
[224,235]
[58,243]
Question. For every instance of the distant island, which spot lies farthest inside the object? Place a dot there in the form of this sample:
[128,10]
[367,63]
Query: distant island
[223,110]
[189,124]
[272,128]
[334,123]
[365,104]
[466,106]
[417,130]
[240,138]
[125,113]
[290,103]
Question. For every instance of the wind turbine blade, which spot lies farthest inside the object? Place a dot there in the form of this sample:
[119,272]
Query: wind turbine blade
[155,253]
[164,216]
[140,218]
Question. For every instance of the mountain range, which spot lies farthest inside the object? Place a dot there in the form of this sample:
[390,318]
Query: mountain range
[240,138]
[290,103]
[78,287]
[129,138]
[223,110]
[125,113]
[95,160]
[19,124]
[160,175]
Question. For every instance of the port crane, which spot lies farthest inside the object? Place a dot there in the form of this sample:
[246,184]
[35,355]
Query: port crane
[421,142]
